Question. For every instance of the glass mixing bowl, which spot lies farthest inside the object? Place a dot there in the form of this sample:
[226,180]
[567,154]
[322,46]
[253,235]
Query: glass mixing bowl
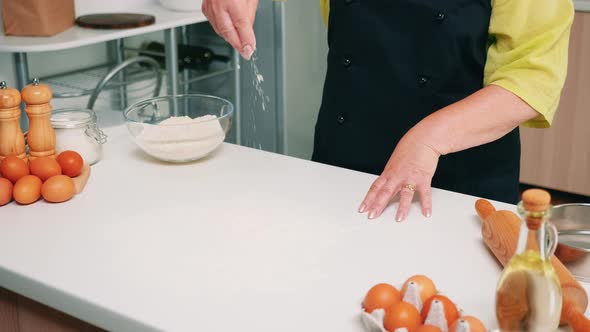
[180,128]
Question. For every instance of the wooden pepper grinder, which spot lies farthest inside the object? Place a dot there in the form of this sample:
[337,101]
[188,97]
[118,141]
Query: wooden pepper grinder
[41,136]
[12,140]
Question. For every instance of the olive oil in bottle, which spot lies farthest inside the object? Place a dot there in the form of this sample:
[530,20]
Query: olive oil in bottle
[528,296]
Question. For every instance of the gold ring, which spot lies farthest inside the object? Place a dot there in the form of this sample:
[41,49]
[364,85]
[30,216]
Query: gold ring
[410,187]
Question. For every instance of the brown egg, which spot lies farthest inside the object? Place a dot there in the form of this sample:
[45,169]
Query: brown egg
[13,168]
[381,296]
[27,189]
[5,191]
[71,163]
[57,189]
[44,168]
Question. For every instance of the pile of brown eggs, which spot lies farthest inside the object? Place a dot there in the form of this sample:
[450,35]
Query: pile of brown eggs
[50,178]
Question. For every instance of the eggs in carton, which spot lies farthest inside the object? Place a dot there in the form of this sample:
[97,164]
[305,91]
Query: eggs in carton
[430,310]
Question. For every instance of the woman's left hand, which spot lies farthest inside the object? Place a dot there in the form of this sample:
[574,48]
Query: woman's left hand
[410,168]
[491,113]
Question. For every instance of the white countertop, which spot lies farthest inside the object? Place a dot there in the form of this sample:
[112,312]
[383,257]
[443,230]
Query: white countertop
[77,36]
[243,241]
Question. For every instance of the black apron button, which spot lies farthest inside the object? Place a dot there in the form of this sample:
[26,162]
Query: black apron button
[340,118]
[440,17]
[346,62]
[423,80]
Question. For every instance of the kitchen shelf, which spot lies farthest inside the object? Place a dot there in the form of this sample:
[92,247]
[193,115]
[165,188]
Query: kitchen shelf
[201,75]
[77,36]
[83,82]
[212,74]
[171,23]
[80,83]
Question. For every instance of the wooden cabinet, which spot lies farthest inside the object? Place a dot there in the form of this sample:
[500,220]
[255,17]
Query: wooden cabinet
[20,314]
[559,157]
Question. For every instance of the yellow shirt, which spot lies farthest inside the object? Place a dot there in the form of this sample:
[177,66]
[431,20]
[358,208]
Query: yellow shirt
[529,52]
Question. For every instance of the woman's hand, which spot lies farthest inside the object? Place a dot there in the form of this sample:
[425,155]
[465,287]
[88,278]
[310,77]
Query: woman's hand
[491,113]
[410,168]
[234,21]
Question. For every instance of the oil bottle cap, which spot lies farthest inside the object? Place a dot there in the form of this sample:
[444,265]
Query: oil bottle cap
[37,93]
[536,203]
[536,200]
[9,97]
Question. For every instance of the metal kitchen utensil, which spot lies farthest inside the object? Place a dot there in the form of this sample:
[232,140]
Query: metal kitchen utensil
[151,63]
[138,81]
[573,225]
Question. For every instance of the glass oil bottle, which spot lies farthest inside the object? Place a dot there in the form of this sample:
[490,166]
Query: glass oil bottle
[528,295]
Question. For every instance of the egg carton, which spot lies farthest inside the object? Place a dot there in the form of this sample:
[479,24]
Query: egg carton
[373,322]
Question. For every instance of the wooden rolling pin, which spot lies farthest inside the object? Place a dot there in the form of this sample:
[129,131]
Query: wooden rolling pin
[500,233]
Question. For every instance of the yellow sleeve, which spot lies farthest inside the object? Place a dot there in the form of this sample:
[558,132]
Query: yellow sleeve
[325,7]
[528,53]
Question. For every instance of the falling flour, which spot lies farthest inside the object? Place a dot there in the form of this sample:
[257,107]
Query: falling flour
[260,101]
[182,138]
[257,82]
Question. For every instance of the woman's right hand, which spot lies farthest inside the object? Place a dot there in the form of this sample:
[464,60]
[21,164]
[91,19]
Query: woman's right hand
[234,21]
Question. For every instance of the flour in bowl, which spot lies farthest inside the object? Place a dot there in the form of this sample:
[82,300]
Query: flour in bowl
[182,138]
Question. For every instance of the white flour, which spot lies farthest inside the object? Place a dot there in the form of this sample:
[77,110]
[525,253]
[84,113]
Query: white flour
[182,138]
[260,101]
[257,82]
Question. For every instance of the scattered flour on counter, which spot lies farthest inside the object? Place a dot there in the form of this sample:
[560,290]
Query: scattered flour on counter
[182,138]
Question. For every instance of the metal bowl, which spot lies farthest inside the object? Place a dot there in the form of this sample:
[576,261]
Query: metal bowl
[573,225]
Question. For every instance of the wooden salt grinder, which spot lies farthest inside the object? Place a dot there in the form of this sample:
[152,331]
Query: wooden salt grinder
[12,140]
[41,136]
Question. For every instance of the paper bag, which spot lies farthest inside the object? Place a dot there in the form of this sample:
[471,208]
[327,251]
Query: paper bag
[37,17]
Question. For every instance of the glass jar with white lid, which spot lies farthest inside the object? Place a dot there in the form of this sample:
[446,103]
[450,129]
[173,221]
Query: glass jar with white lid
[76,129]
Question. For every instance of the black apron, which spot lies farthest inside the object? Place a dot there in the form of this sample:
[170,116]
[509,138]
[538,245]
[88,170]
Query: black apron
[392,63]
